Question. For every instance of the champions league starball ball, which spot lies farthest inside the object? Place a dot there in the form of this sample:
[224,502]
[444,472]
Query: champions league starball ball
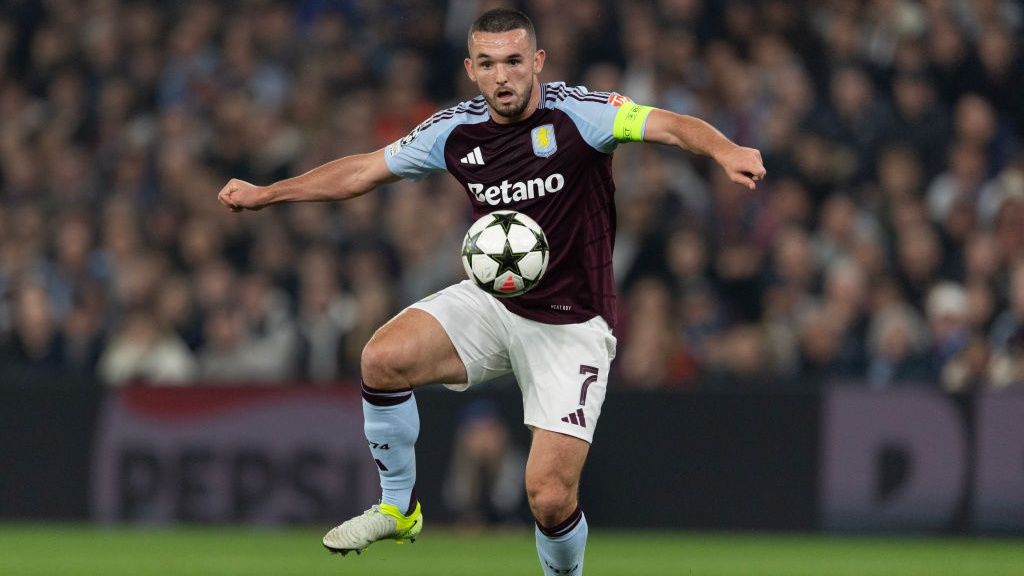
[505,253]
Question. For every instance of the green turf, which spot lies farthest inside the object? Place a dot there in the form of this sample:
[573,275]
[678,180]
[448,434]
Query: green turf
[57,550]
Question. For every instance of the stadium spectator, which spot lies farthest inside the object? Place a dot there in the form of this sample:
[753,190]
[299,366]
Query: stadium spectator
[1010,322]
[141,351]
[897,347]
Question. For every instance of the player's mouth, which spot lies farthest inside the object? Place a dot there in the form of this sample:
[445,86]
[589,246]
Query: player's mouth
[504,95]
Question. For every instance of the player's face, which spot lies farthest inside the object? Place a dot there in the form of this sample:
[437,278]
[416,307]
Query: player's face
[505,66]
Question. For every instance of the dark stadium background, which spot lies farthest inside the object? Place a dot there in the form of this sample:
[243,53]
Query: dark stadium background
[840,351]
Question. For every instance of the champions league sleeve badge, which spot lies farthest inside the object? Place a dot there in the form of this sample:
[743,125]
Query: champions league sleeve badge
[543,138]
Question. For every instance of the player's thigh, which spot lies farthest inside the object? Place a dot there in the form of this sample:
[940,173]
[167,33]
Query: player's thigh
[411,349]
[562,371]
[478,328]
[555,464]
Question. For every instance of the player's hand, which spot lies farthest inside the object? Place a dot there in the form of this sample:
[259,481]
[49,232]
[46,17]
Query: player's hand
[240,195]
[743,165]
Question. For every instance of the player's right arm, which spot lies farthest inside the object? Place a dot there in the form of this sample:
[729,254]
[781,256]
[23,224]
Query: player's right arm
[418,154]
[339,179]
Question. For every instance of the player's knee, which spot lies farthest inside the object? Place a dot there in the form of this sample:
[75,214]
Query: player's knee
[551,500]
[381,364]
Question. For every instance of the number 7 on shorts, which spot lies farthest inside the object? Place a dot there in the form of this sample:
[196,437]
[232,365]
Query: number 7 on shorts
[584,369]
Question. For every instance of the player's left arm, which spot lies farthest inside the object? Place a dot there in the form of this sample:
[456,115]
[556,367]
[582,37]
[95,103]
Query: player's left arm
[743,165]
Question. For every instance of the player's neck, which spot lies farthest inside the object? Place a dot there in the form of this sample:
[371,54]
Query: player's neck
[531,107]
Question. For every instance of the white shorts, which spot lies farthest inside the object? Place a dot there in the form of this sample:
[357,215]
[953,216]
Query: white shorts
[562,369]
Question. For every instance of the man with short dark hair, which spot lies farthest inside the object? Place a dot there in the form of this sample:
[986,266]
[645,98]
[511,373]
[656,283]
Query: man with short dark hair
[557,338]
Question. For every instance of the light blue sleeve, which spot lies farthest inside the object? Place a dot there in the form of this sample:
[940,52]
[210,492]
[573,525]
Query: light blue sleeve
[421,152]
[592,112]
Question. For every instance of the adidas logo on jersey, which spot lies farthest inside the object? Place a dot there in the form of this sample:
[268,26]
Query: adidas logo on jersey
[473,157]
[576,418]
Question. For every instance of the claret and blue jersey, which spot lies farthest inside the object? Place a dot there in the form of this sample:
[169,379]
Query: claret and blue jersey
[555,166]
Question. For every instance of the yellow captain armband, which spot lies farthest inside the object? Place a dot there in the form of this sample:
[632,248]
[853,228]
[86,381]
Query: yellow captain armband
[629,122]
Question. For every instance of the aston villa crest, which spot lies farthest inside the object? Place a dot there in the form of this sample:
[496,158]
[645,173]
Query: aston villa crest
[544,143]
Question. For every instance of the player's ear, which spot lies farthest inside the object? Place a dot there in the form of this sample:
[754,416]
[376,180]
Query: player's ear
[538,61]
[469,69]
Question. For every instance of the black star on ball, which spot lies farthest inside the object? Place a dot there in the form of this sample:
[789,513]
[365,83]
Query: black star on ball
[504,220]
[469,247]
[541,242]
[508,261]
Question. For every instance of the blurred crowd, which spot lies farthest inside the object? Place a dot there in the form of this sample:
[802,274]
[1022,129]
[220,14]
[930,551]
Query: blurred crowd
[886,246]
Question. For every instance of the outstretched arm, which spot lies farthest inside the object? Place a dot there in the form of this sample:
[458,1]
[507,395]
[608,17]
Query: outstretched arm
[742,165]
[339,179]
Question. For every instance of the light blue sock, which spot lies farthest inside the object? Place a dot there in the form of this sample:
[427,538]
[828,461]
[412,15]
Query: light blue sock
[561,548]
[391,423]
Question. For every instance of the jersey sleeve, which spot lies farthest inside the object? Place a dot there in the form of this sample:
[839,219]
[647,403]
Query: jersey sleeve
[421,152]
[604,119]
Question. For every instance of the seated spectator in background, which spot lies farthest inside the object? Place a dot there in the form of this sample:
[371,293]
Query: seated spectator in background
[85,332]
[76,267]
[36,339]
[269,323]
[251,341]
[142,351]
[1010,321]
[946,308]
[484,485]
[742,359]
[822,335]
[981,305]
[686,256]
[897,347]
[842,226]
[325,315]
[900,175]
[857,118]
[793,263]
[976,123]
[845,300]
[919,256]
[962,182]
[968,370]
[651,354]
[1009,228]
[1008,183]
[1007,367]
[703,318]
[176,309]
[920,120]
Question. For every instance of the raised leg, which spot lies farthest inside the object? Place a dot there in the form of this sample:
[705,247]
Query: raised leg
[409,351]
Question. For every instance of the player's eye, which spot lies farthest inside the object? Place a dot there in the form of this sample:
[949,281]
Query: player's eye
[514,62]
[486,65]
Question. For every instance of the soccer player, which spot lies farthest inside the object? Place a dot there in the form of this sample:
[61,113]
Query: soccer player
[544,150]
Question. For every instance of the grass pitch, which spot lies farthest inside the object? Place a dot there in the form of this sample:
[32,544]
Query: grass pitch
[60,549]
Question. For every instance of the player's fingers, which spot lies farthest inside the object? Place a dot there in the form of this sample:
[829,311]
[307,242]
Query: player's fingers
[743,179]
[226,199]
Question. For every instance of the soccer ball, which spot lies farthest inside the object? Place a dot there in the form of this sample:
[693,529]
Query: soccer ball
[505,253]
